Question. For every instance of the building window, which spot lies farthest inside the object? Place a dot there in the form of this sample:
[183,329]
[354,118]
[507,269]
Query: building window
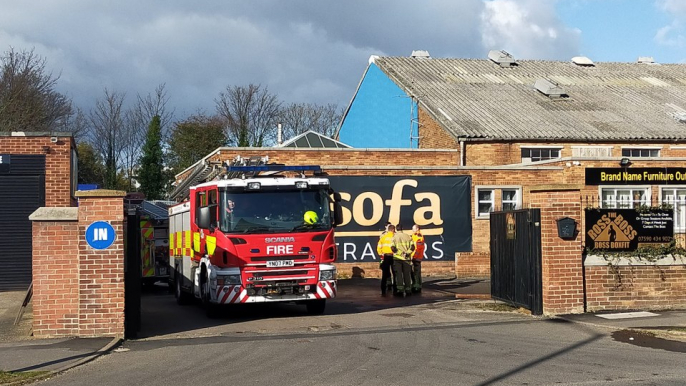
[492,198]
[486,202]
[677,198]
[625,198]
[640,152]
[592,151]
[510,199]
[535,154]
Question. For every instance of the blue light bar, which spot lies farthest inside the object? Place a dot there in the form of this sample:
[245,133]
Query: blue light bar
[274,168]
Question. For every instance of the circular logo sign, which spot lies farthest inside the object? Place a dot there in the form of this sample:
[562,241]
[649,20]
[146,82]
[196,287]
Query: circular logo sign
[100,235]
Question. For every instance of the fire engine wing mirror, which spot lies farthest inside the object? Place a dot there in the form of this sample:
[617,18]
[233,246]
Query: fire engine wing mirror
[204,217]
[337,209]
[337,214]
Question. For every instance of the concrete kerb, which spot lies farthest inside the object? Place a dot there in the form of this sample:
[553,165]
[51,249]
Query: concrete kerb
[659,331]
[106,349]
[110,346]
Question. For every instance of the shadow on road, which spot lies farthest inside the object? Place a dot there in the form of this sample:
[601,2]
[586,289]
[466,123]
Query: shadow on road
[160,315]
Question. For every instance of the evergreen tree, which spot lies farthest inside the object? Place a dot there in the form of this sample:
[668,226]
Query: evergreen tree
[91,167]
[151,176]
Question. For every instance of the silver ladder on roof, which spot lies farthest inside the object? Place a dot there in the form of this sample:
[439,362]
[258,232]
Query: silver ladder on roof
[242,161]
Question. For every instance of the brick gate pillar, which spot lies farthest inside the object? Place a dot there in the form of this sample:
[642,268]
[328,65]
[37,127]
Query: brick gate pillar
[55,272]
[561,259]
[101,277]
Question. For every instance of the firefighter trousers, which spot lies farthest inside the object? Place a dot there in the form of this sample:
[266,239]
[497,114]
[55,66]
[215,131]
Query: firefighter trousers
[386,273]
[416,275]
[403,275]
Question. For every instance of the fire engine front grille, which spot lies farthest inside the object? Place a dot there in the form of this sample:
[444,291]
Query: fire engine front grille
[275,258]
[280,274]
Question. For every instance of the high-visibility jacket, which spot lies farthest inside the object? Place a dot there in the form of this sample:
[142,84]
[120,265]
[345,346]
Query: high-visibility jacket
[385,243]
[419,246]
[402,246]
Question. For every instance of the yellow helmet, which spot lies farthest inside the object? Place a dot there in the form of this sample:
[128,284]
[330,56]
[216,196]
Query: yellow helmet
[311,217]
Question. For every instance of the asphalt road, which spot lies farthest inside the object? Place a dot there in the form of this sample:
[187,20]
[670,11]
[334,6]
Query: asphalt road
[364,339]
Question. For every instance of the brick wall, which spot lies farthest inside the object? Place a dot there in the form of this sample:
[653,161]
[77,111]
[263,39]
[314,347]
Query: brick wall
[561,265]
[473,265]
[78,290]
[432,135]
[640,287]
[57,163]
[371,269]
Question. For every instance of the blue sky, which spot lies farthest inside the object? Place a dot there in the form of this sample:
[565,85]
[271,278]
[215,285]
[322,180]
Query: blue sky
[622,30]
[313,51]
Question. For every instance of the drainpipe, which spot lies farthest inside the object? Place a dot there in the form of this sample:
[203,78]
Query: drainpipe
[463,157]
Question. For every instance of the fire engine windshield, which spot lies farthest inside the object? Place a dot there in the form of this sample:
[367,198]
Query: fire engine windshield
[276,211]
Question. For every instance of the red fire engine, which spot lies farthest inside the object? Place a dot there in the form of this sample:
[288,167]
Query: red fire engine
[260,234]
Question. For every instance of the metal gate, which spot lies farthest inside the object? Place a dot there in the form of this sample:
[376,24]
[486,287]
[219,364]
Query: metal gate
[516,258]
[132,274]
[22,191]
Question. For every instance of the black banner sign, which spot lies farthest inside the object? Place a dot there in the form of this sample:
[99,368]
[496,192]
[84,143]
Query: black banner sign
[616,230]
[635,176]
[440,205]
[4,163]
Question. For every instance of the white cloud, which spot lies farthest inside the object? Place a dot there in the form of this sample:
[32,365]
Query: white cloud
[674,34]
[677,8]
[528,29]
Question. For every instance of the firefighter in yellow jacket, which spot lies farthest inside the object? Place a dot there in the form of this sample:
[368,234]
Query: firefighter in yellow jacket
[383,248]
[417,256]
[402,247]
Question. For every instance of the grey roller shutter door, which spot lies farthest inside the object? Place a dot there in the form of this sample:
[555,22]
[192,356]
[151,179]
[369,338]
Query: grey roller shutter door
[22,191]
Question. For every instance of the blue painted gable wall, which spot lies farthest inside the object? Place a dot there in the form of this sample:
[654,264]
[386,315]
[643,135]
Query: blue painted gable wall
[380,114]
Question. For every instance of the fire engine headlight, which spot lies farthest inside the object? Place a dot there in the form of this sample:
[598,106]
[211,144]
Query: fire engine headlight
[329,274]
[228,279]
[301,184]
[254,185]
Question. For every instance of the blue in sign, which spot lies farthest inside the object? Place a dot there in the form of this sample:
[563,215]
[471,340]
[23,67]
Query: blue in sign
[100,235]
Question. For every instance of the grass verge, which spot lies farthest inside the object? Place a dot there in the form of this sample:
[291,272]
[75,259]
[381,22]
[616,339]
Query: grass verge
[22,377]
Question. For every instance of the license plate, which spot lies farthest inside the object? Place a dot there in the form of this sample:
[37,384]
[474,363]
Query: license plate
[280,263]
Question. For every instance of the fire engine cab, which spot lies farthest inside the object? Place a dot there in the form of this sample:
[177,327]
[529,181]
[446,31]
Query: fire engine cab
[258,234]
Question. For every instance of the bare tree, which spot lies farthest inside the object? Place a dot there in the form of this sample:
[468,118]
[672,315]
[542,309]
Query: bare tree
[108,133]
[28,100]
[298,118]
[154,105]
[78,124]
[250,113]
[136,122]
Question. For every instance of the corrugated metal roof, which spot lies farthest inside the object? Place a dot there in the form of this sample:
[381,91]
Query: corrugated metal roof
[156,210]
[610,101]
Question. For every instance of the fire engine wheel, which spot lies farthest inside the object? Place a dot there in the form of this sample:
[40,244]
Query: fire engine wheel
[211,309]
[182,298]
[316,307]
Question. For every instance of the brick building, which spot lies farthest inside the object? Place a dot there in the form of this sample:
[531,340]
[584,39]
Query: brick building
[516,131]
[36,170]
